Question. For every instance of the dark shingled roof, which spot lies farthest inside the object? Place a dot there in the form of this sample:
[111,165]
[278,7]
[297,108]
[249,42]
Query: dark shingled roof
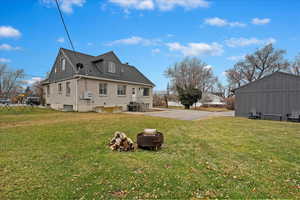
[93,67]
[265,77]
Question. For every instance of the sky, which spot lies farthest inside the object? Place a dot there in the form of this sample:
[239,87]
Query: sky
[149,34]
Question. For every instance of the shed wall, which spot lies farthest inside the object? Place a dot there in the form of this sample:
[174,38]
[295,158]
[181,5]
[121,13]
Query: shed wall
[276,94]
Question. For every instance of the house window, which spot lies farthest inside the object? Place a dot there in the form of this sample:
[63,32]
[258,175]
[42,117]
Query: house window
[121,90]
[68,89]
[59,88]
[111,67]
[133,91]
[103,89]
[48,90]
[63,64]
[146,92]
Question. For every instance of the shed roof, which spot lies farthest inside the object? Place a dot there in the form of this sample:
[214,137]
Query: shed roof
[268,76]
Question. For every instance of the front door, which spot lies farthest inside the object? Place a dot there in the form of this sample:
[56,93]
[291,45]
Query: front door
[133,94]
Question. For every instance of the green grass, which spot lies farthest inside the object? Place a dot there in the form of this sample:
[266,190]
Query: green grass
[54,155]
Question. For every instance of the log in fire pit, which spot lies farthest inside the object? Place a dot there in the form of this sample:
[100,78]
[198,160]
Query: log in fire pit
[152,140]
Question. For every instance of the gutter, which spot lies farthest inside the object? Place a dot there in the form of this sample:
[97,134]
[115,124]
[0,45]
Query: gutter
[112,80]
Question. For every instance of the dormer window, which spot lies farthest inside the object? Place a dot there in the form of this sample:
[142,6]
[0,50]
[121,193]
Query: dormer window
[111,67]
[63,64]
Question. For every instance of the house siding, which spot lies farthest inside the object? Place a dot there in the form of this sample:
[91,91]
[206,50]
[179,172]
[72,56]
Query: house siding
[111,99]
[57,100]
[80,86]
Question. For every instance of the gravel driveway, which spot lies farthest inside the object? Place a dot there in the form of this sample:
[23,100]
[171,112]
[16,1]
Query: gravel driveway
[188,114]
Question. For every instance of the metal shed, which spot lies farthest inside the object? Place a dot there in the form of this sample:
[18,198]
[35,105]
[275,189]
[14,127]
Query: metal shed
[274,95]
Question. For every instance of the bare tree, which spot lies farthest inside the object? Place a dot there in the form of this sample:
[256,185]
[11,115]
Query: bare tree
[10,80]
[219,89]
[262,62]
[38,91]
[191,73]
[295,66]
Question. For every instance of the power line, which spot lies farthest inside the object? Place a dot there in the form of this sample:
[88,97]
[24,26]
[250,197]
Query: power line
[63,21]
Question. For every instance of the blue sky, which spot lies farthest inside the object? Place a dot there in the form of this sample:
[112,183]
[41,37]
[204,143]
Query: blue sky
[149,34]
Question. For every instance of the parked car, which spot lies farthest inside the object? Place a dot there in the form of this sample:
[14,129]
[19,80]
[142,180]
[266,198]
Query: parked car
[5,101]
[33,101]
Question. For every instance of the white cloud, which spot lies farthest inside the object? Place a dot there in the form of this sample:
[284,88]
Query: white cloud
[241,42]
[263,21]
[236,58]
[160,4]
[187,4]
[216,21]
[134,4]
[4,60]
[65,5]
[8,31]
[197,49]
[33,80]
[61,40]
[155,51]
[90,44]
[134,40]
[7,47]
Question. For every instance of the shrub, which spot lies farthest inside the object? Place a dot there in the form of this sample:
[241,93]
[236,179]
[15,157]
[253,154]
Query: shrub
[230,103]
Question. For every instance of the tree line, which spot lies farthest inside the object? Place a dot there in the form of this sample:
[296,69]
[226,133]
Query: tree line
[12,84]
[191,77]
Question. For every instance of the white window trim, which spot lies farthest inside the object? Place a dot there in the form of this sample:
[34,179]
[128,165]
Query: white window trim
[112,67]
[63,64]
[103,95]
[122,95]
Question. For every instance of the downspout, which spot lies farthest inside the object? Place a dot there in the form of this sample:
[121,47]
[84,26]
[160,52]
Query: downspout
[76,93]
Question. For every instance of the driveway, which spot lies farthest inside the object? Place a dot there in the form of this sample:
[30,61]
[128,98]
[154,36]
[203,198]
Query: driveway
[188,114]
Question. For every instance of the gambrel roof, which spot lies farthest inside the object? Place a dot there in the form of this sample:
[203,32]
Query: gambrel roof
[96,67]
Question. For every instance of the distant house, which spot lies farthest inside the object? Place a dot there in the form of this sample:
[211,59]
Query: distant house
[82,82]
[208,99]
[274,96]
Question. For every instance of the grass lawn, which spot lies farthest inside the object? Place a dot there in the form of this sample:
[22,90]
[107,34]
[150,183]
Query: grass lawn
[54,155]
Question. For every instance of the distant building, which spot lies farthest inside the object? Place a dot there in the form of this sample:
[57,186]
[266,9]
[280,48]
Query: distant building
[208,99]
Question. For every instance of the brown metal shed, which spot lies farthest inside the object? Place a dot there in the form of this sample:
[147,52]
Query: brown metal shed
[274,95]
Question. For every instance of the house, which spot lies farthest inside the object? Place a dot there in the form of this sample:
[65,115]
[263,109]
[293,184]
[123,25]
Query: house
[273,97]
[82,82]
[208,99]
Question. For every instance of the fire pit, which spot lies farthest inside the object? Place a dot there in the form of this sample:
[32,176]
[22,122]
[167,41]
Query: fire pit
[152,141]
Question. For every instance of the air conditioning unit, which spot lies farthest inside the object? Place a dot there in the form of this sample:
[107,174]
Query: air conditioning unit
[87,95]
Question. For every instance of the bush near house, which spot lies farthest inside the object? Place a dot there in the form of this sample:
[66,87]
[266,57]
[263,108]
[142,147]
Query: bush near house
[230,103]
